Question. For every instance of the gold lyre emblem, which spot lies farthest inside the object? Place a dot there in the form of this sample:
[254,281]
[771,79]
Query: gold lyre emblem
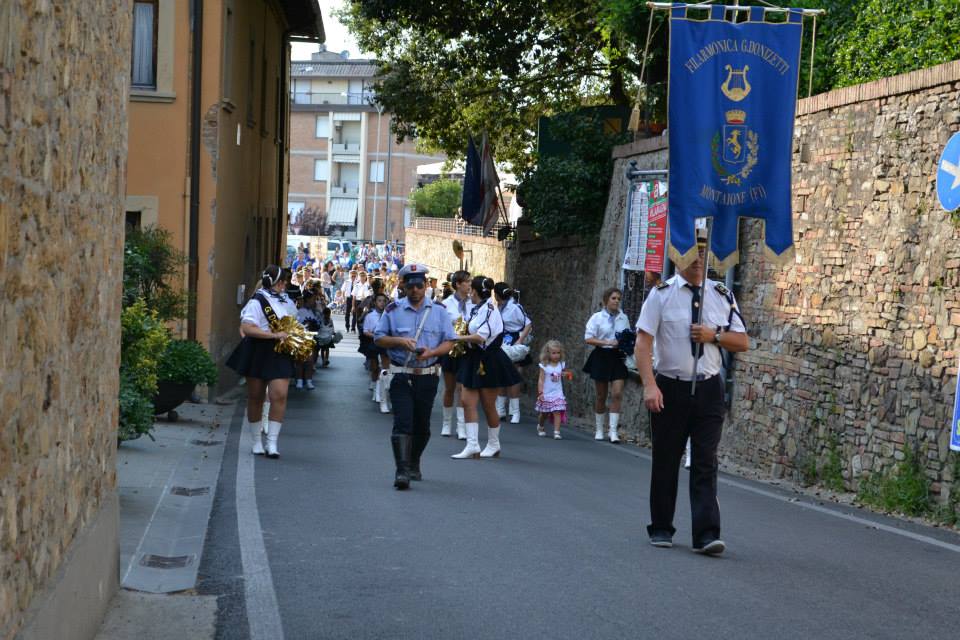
[736,93]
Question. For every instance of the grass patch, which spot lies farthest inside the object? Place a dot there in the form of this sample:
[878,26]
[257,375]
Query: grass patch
[904,488]
[831,476]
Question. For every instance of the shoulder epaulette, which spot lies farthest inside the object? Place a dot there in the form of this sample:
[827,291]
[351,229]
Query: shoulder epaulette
[722,289]
[390,307]
[663,285]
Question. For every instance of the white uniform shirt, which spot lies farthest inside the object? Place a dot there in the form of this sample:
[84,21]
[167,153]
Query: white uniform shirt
[603,326]
[457,309]
[370,320]
[515,319]
[485,320]
[360,290]
[347,287]
[667,315]
[252,312]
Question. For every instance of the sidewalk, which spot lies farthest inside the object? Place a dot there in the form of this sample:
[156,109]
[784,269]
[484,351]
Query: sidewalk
[166,488]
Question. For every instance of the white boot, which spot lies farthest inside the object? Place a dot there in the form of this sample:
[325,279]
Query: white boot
[384,387]
[273,433]
[254,429]
[472,450]
[601,419]
[502,406]
[447,419]
[686,459]
[461,431]
[614,423]
[514,410]
[266,416]
[377,396]
[492,450]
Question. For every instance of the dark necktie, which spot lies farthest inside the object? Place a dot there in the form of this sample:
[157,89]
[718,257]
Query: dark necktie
[694,313]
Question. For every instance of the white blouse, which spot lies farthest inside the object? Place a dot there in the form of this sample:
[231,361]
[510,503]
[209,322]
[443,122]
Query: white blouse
[515,319]
[604,326]
[485,321]
[252,312]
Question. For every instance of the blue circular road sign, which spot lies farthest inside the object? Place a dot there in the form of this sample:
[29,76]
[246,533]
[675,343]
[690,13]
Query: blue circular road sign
[948,174]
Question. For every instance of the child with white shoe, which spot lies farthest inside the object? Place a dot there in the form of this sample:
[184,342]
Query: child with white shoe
[551,403]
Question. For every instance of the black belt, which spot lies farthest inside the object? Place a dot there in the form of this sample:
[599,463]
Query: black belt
[700,377]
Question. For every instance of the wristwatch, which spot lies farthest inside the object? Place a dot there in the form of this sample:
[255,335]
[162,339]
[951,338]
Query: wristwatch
[716,337]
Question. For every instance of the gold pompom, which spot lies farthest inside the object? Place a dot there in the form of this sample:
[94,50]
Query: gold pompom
[299,342]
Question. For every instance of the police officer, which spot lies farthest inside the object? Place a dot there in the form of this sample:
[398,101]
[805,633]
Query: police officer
[416,332]
[669,316]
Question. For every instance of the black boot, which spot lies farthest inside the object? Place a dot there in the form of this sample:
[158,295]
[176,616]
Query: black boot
[419,444]
[402,444]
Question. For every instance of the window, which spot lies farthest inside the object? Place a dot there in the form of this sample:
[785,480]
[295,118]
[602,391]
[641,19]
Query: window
[321,170]
[323,126]
[376,171]
[251,79]
[143,72]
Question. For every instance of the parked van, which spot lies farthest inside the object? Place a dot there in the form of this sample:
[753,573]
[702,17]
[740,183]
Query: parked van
[337,245]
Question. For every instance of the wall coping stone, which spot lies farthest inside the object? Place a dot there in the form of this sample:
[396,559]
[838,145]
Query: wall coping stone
[464,239]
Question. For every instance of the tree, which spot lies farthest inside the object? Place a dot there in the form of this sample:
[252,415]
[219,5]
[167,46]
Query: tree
[439,199]
[451,69]
[313,222]
[567,195]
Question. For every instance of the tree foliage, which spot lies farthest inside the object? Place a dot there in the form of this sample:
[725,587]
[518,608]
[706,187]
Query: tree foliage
[451,69]
[312,222]
[439,199]
[567,195]
[889,37]
[152,270]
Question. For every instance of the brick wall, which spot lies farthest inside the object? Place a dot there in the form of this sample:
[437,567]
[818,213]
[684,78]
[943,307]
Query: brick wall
[63,124]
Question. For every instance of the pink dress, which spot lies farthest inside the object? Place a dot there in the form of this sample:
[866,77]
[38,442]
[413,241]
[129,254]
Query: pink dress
[553,400]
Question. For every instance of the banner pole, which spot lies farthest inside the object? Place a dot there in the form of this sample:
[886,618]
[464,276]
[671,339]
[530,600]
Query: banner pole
[703,288]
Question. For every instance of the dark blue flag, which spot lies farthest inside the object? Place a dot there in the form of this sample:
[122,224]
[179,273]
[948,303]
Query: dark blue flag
[471,206]
[732,98]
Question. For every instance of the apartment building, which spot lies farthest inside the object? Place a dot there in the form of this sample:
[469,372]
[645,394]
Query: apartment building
[344,163]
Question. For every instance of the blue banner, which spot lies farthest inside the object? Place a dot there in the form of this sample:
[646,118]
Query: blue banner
[732,98]
[955,423]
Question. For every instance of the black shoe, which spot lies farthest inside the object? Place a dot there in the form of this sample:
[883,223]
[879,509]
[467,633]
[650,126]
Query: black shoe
[663,540]
[711,548]
[401,455]
[419,444]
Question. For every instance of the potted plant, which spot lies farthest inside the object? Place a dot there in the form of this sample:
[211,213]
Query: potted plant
[182,366]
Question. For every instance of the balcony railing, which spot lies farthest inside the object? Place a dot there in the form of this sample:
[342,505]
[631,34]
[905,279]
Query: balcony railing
[308,97]
[346,190]
[345,147]
[455,226]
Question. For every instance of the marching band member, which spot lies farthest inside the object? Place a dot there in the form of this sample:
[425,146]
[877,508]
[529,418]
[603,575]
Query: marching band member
[310,317]
[606,362]
[376,356]
[416,333]
[670,340]
[516,326]
[347,289]
[266,371]
[483,371]
[458,306]
[361,289]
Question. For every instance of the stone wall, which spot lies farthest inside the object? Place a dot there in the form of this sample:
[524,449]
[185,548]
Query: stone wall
[485,256]
[63,124]
[853,346]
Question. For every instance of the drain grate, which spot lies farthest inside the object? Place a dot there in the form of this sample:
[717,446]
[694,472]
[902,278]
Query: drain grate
[165,562]
[189,493]
[206,443]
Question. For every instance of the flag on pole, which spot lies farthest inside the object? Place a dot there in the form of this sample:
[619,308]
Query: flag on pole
[490,182]
[471,203]
[732,98]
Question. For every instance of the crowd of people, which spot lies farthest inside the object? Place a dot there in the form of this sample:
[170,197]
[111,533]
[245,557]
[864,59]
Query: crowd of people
[474,335]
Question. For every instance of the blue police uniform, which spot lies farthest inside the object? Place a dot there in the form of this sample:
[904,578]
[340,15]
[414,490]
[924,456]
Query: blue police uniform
[414,381]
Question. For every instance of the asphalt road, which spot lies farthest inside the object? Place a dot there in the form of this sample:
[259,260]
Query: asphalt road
[546,542]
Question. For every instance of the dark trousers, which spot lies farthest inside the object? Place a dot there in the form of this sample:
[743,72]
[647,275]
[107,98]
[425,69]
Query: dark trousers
[412,398]
[700,418]
[347,309]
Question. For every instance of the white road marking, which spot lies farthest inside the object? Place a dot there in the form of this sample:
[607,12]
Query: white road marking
[263,613]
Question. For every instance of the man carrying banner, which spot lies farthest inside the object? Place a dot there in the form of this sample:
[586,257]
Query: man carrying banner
[669,315]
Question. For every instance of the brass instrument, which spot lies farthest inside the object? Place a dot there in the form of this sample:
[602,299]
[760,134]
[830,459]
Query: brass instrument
[462,328]
[299,343]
